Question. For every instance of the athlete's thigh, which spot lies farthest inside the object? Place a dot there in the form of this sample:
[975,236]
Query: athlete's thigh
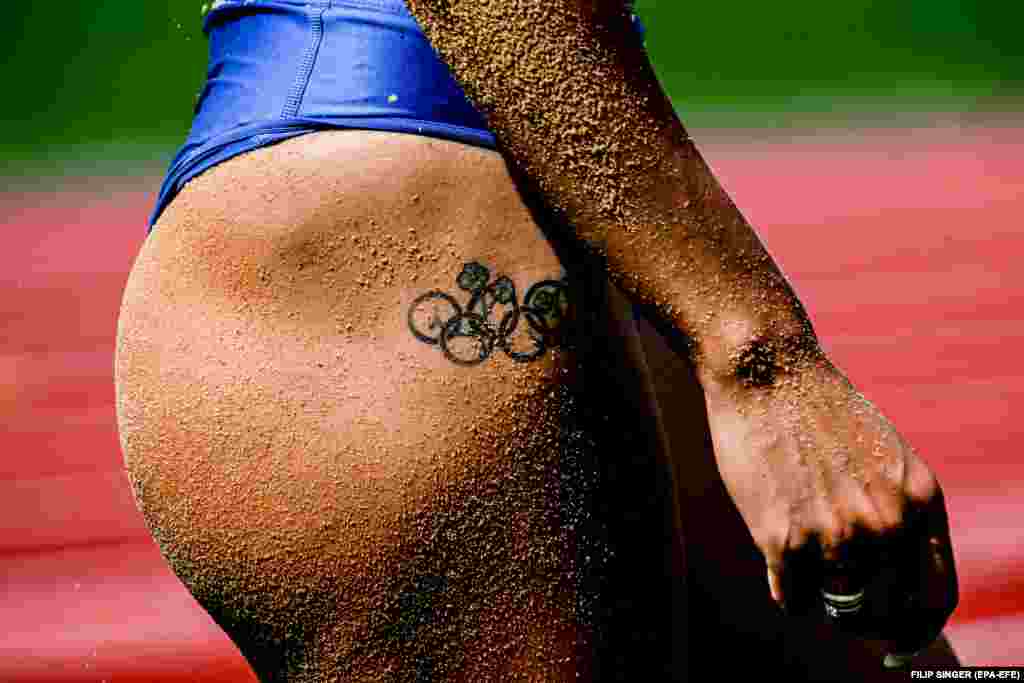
[359,409]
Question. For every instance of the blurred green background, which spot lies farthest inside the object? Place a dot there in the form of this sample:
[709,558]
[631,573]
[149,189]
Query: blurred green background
[92,85]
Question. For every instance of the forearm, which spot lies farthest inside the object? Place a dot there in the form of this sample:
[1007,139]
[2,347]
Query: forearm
[572,99]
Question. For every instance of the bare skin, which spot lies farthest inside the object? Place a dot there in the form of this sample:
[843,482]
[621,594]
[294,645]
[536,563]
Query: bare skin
[274,450]
[823,481]
[346,501]
[727,596]
[352,502]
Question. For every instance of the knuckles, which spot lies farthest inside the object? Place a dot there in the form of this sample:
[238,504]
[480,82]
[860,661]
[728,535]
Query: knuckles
[921,486]
[832,530]
[881,518]
[888,519]
[778,540]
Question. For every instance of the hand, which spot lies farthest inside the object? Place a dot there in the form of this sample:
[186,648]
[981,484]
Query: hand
[822,479]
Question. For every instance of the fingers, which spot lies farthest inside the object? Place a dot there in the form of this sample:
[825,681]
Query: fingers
[794,566]
[813,556]
[775,579]
[929,583]
[778,551]
[890,577]
[915,589]
[842,592]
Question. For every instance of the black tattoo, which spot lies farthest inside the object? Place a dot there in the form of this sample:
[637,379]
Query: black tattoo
[756,365]
[469,336]
[759,363]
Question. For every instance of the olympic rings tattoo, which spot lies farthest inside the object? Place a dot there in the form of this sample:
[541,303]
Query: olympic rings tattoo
[468,336]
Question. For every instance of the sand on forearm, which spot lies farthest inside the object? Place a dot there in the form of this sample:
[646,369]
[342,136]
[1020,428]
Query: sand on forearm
[570,95]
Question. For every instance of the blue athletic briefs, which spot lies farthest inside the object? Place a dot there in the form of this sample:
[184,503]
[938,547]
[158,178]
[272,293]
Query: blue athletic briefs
[282,68]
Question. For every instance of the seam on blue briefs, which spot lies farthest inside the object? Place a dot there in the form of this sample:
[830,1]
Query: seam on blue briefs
[390,6]
[393,7]
[309,56]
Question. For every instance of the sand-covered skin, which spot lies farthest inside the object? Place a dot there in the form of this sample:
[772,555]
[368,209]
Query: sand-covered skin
[572,99]
[569,93]
[352,506]
[345,501]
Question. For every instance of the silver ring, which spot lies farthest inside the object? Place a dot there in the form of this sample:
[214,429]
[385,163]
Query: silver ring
[838,605]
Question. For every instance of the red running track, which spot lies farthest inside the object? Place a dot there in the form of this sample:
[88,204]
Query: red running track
[905,245]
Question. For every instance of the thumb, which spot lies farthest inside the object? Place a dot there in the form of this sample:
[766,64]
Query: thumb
[776,583]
